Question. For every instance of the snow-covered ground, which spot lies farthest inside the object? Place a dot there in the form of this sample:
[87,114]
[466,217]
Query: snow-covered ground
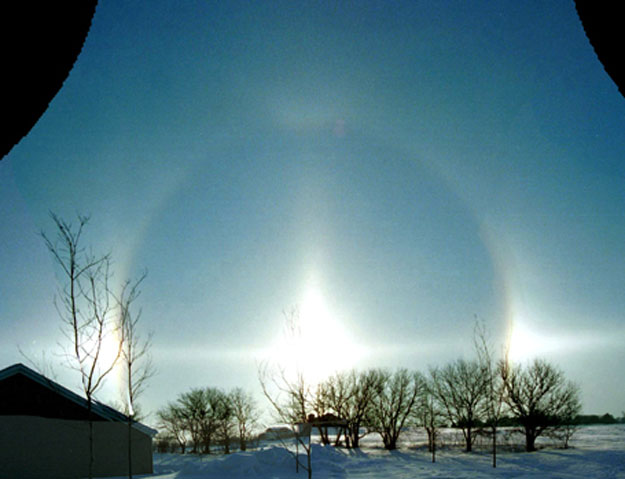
[596,452]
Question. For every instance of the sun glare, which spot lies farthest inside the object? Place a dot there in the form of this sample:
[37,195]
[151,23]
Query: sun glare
[315,342]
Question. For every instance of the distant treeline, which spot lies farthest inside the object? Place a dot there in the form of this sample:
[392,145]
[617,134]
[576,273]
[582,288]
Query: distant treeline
[587,419]
[580,420]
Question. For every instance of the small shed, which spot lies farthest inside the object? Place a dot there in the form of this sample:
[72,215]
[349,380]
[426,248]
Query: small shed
[45,431]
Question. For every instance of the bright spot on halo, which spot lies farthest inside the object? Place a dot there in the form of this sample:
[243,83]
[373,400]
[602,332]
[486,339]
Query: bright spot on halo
[109,351]
[525,344]
[314,342]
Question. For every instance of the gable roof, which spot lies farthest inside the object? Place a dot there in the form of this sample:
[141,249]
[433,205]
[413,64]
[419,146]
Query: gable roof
[101,411]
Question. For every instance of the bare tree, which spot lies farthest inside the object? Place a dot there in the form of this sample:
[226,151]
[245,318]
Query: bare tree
[172,420]
[359,392]
[85,306]
[320,404]
[348,395]
[290,400]
[135,354]
[460,388]
[209,416]
[42,365]
[540,398]
[192,408]
[394,403]
[430,416]
[290,396]
[567,426]
[338,395]
[493,406]
[246,414]
[213,414]
[225,419]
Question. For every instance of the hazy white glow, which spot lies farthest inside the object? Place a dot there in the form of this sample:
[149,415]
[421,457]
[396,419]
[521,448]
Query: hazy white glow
[108,352]
[108,349]
[315,343]
[526,343]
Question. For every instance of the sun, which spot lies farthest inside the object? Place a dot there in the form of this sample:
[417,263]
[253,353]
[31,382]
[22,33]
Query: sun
[315,342]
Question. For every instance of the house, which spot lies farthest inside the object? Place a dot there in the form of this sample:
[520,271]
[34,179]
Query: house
[44,431]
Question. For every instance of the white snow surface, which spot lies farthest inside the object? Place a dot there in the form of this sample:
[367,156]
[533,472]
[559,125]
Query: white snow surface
[595,452]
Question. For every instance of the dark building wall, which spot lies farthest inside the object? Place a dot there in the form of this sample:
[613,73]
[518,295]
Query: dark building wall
[42,448]
[21,396]
[44,432]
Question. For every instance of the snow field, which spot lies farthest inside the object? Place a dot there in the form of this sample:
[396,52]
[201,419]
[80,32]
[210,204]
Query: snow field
[597,452]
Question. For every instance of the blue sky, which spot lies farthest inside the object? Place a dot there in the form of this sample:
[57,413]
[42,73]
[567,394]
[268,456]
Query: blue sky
[408,165]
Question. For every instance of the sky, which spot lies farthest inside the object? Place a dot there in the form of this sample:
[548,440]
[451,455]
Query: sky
[390,170]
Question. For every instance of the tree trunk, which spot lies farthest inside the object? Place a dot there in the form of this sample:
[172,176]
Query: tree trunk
[354,438]
[429,433]
[530,441]
[323,434]
[297,453]
[390,443]
[469,440]
[494,446]
[337,441]
[308,460]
